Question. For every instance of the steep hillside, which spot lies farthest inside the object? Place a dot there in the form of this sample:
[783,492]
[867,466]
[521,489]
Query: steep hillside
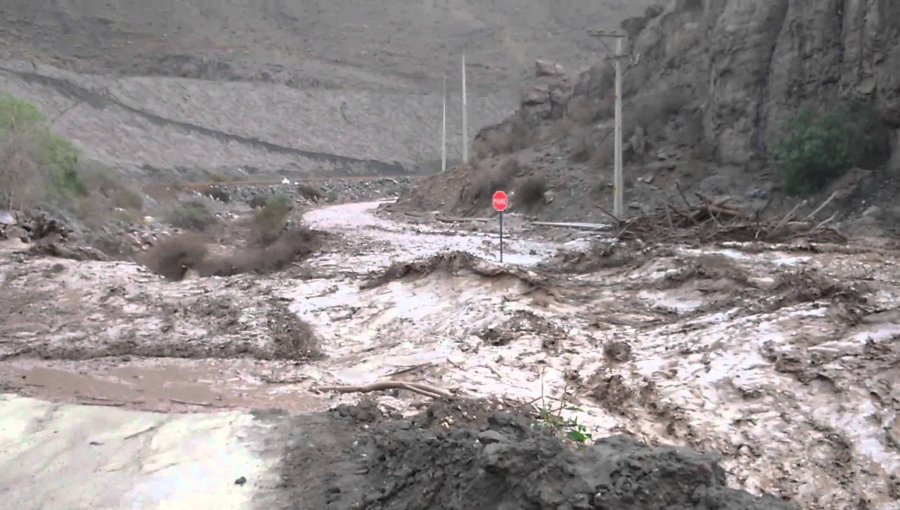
[241,87]
[707,100]
[246,39]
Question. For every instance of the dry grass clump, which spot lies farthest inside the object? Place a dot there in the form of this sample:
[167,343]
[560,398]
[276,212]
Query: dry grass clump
[216,192]
[530,192]
[310,192]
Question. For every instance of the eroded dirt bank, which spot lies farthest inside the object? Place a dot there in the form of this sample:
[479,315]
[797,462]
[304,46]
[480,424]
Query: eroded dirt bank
[781,359]
[461,455]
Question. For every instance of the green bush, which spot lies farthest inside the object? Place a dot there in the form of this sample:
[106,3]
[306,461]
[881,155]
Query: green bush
[193,215]
[56,160]
[60,158]
[818,147]
[17,115]
[272,218]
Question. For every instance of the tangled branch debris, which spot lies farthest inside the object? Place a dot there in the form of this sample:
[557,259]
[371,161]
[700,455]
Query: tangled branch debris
[716,221]
[420,388]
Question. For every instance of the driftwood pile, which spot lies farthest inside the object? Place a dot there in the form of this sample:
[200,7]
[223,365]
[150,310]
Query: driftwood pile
[715,221]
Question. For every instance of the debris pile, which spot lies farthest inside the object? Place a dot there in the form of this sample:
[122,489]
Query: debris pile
[716,221]
[29,226]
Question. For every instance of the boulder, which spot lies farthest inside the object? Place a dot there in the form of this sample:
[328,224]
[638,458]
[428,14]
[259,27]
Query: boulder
[544,68]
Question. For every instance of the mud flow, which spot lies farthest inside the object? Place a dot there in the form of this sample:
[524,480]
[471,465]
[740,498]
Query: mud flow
[401,366]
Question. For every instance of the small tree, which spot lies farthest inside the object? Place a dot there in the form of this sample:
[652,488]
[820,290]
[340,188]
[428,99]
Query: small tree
[818,147]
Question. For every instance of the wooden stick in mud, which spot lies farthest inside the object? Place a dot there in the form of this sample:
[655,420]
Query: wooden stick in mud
[826,222]
[453,219]
[606,212]
[421,389]
[824,204]
[686,203]
[788,216]
[669,219]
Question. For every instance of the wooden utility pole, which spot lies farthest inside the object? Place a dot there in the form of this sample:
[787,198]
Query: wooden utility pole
[465,123]
[618,178]
[444,129]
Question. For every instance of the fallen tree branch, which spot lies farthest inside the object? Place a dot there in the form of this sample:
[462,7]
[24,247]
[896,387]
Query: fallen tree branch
[789,215]
[686,203]
[824,204]
[826,222]
[611,215]
[583,226]
[454,219]
[421,389]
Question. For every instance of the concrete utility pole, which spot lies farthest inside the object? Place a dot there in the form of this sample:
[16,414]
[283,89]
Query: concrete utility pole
[618,178]
[444,129]
[465,123]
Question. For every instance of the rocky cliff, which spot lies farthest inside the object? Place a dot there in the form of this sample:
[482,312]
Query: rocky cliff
[708,89]
[745,65]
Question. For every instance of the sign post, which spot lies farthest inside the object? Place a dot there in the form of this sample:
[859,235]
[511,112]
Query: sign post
[501,202]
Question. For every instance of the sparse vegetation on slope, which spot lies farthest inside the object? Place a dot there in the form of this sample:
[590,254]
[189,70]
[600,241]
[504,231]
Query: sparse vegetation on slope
[192,215]
[818,147]
[35,164]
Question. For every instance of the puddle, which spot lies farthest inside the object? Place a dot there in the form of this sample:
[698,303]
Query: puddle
[170,385]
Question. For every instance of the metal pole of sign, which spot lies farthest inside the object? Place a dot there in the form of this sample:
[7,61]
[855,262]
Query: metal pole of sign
[465,120]
[444,130]
[501,237]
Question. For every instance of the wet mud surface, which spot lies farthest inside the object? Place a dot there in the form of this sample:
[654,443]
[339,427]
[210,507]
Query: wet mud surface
[479,457]
[782,361]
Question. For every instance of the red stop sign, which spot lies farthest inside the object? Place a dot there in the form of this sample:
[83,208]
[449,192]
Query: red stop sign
[501,201]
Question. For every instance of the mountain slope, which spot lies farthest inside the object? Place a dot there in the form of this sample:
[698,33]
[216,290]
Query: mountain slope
[706,103]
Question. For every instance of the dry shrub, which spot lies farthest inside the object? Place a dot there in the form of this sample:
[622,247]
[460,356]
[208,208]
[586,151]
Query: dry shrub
[604,153]
[530,192]
[653,111]
[581,144]
[128,199]
[514,135]
[480,150]
[20,180]
[171,258]
[192,215]
[561,129]
[164,193]
[257,201]
[309,192]
[584,110]
[216,192]
[499,142]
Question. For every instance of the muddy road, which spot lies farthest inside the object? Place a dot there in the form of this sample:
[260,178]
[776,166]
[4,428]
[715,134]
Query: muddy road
[775,368]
